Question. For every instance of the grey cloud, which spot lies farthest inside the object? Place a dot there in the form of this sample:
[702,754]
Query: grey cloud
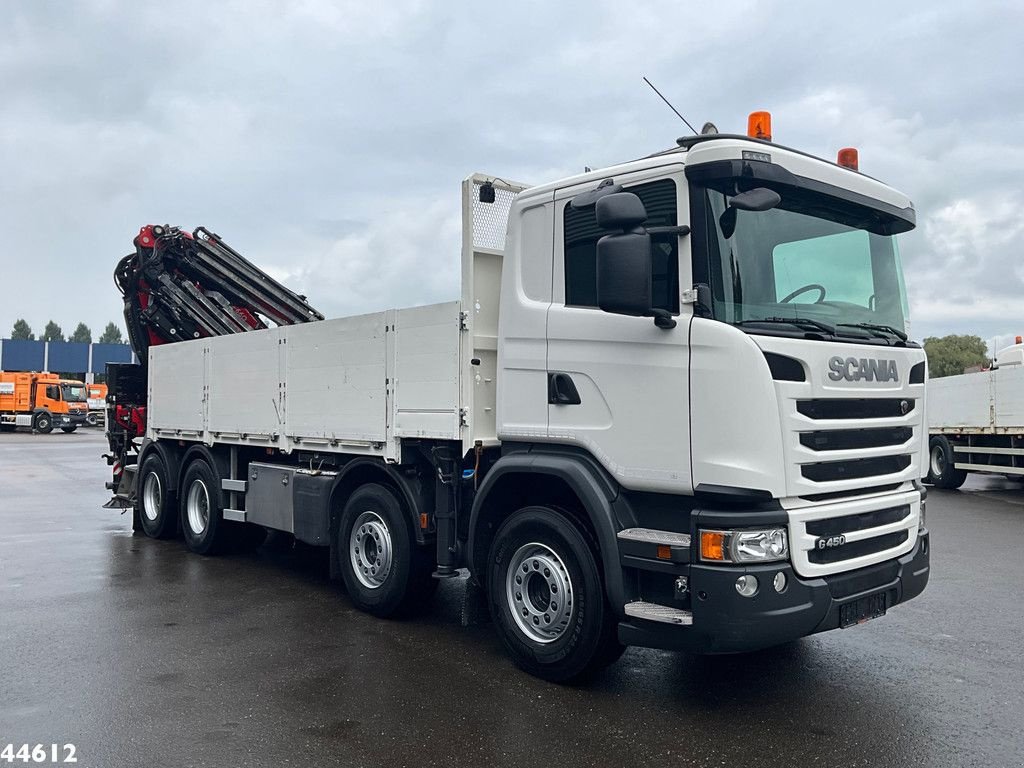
[327,139]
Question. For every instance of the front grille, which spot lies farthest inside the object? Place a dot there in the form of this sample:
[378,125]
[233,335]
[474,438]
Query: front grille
[846,439]
[873,408]
[852,469]
[857,548]
[832,495]
[874,519]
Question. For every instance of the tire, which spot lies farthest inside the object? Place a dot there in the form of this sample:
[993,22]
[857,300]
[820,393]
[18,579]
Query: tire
[202,518]
[385,572]
[43,423]
[92,419]
[538,555]
[157,508]
[941,472]
[68,430]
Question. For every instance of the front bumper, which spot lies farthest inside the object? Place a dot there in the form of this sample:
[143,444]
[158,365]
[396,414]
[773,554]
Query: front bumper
[726,622]
[77,418]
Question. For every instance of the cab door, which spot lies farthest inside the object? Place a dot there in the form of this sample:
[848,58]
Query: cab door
[619,385]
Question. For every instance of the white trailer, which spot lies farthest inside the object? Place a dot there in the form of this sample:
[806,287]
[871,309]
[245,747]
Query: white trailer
[976,422]
[673,406]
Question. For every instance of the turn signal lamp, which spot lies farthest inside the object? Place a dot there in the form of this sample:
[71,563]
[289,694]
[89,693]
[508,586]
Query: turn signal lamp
[712,545]
[759,125]
[848,158]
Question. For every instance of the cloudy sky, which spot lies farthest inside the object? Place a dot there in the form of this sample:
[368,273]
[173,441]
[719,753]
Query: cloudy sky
[326,139]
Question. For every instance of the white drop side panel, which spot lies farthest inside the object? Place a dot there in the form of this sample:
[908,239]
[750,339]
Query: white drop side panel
[334,382]
[1009,397]
[426,371]
[177,380]
[243,374]
[960,402]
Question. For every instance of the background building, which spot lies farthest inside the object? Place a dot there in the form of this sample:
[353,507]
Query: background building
[85,361]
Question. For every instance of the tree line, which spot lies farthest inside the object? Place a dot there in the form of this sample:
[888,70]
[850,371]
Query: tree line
[22,331]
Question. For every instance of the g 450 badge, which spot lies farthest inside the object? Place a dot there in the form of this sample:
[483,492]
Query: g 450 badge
[829,542]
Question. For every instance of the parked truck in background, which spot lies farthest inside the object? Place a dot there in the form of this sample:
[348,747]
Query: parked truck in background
[97,402]
[976,421]
[674,406]
[75,394]
[35,400]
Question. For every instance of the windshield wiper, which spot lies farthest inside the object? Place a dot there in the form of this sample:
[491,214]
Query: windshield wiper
[804,322]
[875,327]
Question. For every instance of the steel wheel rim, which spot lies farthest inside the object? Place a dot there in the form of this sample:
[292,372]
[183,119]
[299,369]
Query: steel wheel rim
[197,505]
[539,594]
[152,497]
[938,461]
[370,550]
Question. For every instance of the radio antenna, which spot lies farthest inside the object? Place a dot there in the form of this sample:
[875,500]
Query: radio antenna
[671,107]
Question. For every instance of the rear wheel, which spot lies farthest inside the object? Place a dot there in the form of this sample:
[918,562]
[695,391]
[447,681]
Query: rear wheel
[202,519]
[941,472]
[385,572]
[43,423]
[157,512]
[547,597]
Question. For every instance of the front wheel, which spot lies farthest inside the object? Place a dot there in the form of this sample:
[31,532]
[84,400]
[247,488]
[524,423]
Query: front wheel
[941,470]
[68,430]
[44,423]
[92,419]
[385,572]
[547,597]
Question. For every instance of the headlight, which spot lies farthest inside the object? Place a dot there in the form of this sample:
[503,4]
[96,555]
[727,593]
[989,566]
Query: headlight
[766,545]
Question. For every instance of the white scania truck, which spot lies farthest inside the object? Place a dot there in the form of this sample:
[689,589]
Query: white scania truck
[675,406]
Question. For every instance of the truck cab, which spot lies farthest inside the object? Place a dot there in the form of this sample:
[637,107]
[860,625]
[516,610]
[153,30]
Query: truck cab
[76,395]
[721,329]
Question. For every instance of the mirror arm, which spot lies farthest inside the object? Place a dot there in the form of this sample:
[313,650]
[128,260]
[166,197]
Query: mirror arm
[682,230]
[662,318]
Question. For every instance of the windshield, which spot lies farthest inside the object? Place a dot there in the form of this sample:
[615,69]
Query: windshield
[74,393]
[802,260]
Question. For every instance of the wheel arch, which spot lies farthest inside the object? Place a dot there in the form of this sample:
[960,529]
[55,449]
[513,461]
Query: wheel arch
[217,460]
[412,494]
[171,457]
[573,483]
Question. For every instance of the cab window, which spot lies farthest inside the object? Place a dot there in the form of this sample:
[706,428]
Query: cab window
[582,234]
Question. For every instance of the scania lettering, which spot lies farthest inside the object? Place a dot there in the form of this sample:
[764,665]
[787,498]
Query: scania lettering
[674,406]
[853,369]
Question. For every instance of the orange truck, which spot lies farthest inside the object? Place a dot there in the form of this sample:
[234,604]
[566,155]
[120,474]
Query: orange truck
[76,395]
[41,401]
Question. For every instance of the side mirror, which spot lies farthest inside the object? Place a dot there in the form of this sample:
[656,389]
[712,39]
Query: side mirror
[624,260]
[758,199]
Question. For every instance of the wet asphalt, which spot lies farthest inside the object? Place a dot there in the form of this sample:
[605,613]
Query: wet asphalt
[140,654]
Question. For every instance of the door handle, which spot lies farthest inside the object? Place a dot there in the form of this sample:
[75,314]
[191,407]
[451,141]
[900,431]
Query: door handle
[562,390]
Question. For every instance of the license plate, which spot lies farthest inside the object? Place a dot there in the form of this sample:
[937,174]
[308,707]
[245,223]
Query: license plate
[864,609]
